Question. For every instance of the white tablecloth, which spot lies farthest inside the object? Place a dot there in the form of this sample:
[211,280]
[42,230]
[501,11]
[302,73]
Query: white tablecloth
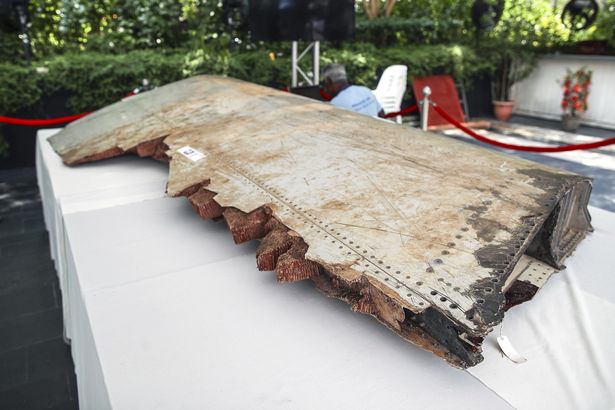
[164,311]
[99,185]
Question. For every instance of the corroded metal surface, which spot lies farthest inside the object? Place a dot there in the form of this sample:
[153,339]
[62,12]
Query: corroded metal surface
[416,229]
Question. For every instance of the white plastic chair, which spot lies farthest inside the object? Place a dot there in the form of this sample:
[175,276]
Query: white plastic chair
[391,89]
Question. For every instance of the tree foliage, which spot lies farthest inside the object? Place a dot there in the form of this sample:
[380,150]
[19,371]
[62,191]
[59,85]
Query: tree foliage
[98,50]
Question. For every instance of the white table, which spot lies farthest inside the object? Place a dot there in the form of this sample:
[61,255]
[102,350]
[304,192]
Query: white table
[164,311]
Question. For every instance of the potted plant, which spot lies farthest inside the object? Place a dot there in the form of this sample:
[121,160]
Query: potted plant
[574,102]
[512,66]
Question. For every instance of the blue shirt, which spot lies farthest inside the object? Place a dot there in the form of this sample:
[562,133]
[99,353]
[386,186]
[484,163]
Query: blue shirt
[358,99]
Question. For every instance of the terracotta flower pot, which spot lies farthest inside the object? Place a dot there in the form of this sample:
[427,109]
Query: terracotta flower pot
[503,109]
[570,123]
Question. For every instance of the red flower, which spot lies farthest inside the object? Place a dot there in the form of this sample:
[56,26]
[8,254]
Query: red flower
[577,105]
[564,104]
[576,88]
[574,97]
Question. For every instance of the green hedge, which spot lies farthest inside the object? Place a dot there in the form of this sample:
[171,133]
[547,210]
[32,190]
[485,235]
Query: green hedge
[94,80]
[414,30]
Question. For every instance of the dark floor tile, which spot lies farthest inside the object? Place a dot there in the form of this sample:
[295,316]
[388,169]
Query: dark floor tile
[29,329]
[28,299]
[11,207]
[34,224]
[36,368]
[33,243]
[67,405]
[23,238]
[11,266]
[13,368]
[19,174]
[10,227]
[49,358]
[48,393]
[72,386]
[31,211]
[14,279]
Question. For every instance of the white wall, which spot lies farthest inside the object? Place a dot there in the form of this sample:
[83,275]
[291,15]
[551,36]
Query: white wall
[540,94]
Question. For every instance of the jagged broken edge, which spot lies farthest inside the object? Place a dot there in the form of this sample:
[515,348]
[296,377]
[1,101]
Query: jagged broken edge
[283,251]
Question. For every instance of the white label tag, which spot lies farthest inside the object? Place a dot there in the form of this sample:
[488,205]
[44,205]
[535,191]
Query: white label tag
[191,153]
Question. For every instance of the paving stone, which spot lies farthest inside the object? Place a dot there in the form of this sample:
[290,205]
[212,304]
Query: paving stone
[28,329]
[11,280]
[10,227]
[35,224]
[34,298]
[36,368]
[35,243]
[26,237]
[67,405]
[72,386]
[11,265]
[47,393]
[13,368]
[49,358]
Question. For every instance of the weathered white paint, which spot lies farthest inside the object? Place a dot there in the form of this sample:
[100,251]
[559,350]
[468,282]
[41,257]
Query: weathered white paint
[540,94]
[428,221]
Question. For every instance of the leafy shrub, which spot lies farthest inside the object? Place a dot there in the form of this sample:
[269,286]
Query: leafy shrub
[19,87]
[531,24]
[604,27]
[94,80]
[416,30]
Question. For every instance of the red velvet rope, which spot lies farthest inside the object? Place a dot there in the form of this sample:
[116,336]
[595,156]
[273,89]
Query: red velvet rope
[405,111]
[325,96]
[41,123]
[561,148]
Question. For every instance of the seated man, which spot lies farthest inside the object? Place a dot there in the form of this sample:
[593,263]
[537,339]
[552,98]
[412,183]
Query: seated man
[351,97]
